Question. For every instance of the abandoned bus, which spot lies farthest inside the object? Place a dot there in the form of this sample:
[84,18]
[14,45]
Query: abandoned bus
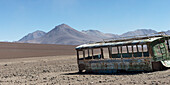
[146,53]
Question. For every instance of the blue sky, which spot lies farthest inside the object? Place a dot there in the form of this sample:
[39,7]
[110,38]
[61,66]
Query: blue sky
[20,17]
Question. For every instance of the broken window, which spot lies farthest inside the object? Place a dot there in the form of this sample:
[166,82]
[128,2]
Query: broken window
[134,49]
[116,52]
[97,53]
[145,48]
[129,49]
[137,51]
[106,52]
[124,49]
[87,54]
[80,55]
[145,51]
[125,52]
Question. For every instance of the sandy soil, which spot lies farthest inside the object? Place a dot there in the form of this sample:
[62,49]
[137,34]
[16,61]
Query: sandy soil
[24,50]
[61,70]
[22,64]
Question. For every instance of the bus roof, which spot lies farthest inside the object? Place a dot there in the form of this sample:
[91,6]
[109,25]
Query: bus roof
[142,40]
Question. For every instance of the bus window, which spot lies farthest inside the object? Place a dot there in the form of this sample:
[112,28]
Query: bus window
[138,51]
[116,52]
[125,52]
[140,48]
[129,49]
[134,48]
[87,54]
[97,53]
[145,51]
[80,55]
[106,52]
[145,48]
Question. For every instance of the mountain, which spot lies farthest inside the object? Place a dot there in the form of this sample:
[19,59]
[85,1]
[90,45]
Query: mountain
[138,32]
[32,36]
[168,32]
[64,34]
[99,34]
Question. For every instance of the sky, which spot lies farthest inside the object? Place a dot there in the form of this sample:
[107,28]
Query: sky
[20,17]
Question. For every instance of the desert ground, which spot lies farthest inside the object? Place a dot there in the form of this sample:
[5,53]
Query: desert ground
[25,50]
[34,64]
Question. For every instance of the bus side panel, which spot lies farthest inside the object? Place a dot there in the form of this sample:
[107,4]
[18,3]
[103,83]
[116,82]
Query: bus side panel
[111,66]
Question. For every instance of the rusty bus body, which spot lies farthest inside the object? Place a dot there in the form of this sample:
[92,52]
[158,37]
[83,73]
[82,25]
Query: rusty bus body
[130,54]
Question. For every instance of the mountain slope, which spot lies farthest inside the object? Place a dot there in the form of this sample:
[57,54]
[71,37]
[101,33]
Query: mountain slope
[64,34]
[99,34]
[138,32]
[168,32]
[32,36]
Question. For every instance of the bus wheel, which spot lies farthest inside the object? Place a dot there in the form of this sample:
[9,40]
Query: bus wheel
[156,66]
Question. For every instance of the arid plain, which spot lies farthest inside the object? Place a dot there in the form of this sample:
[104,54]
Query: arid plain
[35,64]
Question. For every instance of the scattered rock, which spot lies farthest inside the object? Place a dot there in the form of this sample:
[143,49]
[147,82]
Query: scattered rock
[6,65]
[59,72]
[44,78]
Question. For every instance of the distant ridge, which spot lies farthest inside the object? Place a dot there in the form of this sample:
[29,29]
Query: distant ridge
[138,32]
[32,36]
[66,35]
[99,34]
[168,32]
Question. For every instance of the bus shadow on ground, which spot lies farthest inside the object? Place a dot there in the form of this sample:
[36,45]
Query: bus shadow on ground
[116,73]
